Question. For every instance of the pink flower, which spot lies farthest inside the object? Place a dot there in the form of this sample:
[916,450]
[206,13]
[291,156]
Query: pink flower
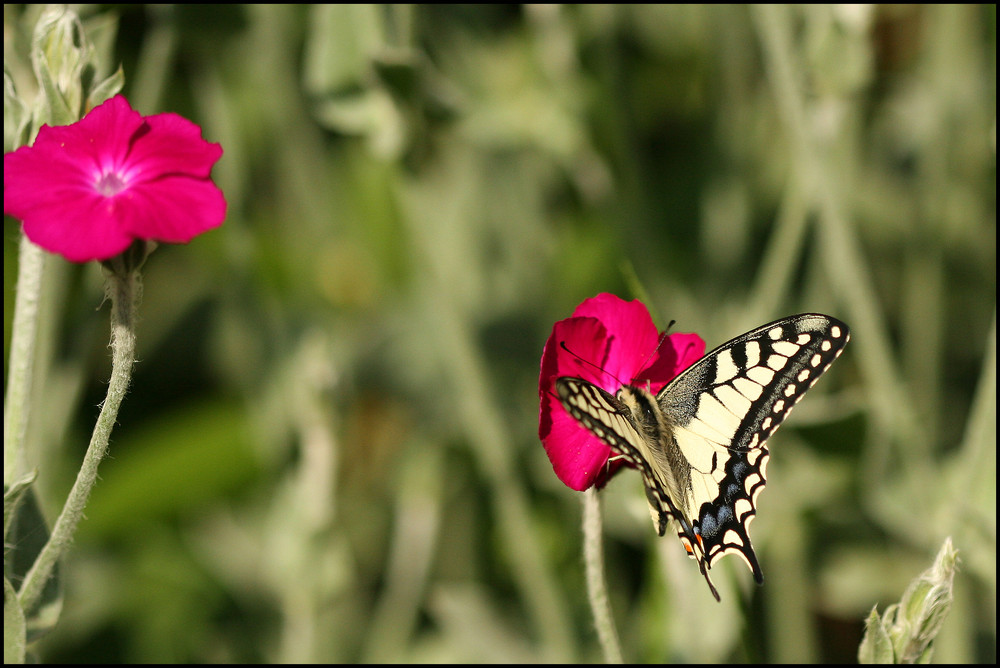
[88,190]
[607,342]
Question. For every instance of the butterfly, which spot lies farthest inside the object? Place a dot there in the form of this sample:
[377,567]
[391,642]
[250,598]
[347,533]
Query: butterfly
[701,442]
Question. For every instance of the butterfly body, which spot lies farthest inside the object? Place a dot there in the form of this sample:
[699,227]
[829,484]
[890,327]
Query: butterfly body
[700,442]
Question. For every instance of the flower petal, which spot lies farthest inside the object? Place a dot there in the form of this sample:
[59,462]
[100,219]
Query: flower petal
[577,456]
[675,353]
[631,334]
[82,228]
[577,347]
[587,333]
[101,138]
[174,209]
[173,145]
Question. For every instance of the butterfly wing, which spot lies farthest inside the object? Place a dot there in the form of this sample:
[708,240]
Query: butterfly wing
[613,422]
[721,411]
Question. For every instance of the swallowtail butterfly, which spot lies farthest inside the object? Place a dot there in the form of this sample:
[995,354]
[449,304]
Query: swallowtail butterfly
[701,442]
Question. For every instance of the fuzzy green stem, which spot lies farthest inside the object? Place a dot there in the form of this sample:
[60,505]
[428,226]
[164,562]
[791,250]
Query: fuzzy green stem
[24,332]
[124,289]
[597,592]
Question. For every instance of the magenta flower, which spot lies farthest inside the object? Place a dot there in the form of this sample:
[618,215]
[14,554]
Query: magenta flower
[608,341]
[88,190]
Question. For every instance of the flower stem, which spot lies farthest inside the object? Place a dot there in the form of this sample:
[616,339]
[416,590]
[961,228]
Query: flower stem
[124,289]
[597,592]
[24,332]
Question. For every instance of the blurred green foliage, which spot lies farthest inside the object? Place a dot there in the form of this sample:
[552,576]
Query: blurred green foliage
[330,452]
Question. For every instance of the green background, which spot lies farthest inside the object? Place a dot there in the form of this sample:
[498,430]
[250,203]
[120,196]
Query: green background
[329,451]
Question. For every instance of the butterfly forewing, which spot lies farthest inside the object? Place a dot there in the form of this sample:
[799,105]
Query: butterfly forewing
[612,421]
[701,443]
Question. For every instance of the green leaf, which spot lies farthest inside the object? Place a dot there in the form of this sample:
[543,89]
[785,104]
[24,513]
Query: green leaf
[12,496]
[13,626]
[26,535]
[876,646]
[106,89]
[16,116]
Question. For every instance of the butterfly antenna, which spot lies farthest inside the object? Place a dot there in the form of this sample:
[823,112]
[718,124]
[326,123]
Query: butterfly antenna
[659,342]
[562,344]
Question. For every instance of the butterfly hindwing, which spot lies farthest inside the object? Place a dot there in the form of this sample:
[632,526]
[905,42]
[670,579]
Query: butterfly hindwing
[700,443]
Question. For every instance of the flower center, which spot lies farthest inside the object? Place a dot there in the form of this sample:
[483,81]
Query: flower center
[110,184]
